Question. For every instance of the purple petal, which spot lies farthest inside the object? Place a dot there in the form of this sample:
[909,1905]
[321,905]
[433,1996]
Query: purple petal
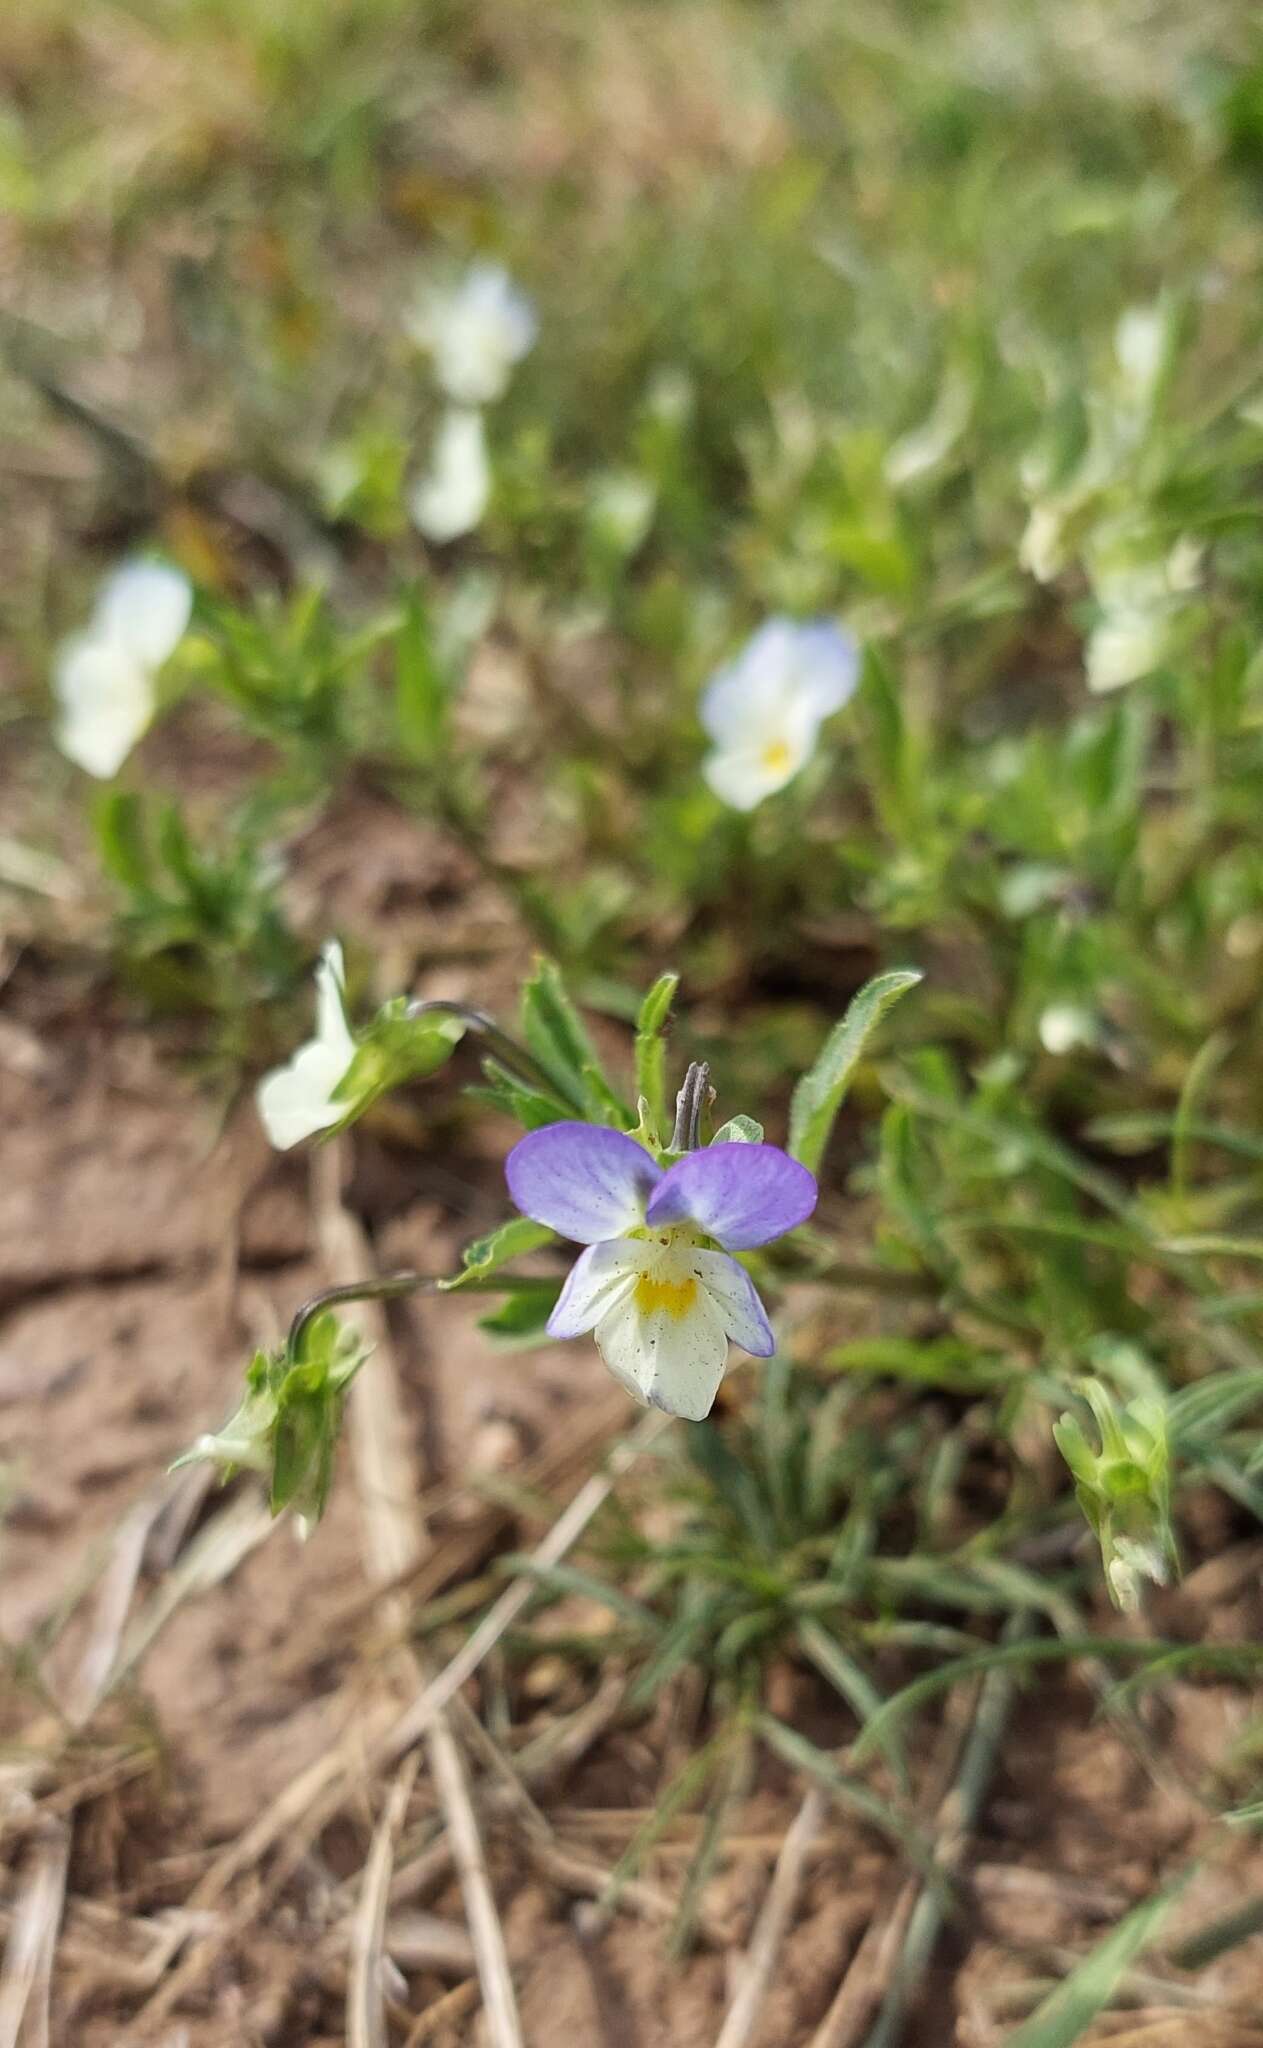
[741,1195]
[583,1180]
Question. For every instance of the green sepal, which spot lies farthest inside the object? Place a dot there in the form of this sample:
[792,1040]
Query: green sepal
[651,1058]
[290,1417]
[739,1130]
[395,1048]
[1123,1487]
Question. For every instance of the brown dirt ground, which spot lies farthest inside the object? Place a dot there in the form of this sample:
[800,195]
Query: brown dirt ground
[147,1239]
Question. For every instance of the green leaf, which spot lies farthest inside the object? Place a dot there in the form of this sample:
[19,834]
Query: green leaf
[893,752]
[521,1320]
[420,688]
[927,1361]
[175,851]
[121,842]
[554,1033]
[822,1090]
[848,1678]
[509,1241]
[651,1054]
[604,1105]
[1072,2007]
[529,1107]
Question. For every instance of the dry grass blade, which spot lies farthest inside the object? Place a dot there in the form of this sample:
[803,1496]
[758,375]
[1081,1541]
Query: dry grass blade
[365,2015]
[896,1945]
[100,1661]
[588,1878]
[306,1805]
[213,1555]
[564,1533]
[869,1973]
[445,2012]
[26,1978]
[957,1818]
[395,1538]
[774,1918]
[423,1941]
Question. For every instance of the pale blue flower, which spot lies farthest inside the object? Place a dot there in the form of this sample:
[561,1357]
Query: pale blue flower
[765,709]
[657,1285]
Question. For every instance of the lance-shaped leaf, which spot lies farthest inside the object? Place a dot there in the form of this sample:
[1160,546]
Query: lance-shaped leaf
[486,1254]
[822,1090]
[556,1036]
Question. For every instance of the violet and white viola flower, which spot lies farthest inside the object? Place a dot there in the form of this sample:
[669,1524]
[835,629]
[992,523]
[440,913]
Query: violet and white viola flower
[450,499]
[657,1285]
[765,709]
[105,678]
[476,331]
[296,1100]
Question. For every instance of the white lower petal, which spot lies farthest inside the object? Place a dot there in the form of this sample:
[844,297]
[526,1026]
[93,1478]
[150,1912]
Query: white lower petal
[106,699]
[737,1302]
[451,498]
[598,1281]
[743,776]
[1124,647]
[296,1100]
[667,1357]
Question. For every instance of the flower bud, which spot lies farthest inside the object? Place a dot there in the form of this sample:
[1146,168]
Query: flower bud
[1124,1488]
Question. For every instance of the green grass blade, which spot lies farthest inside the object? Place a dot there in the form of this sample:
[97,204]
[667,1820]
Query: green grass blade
[1072,2007]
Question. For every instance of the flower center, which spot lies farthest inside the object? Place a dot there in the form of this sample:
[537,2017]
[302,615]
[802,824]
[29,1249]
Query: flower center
[776,757]
[669,1282]
[657,1290]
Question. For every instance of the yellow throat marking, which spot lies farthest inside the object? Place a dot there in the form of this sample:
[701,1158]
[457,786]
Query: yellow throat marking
[776,757]
[675,1296]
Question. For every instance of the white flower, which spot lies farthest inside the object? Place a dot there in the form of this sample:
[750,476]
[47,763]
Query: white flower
[1139,604]
[1124,646]
[475,331]
[765,709]
[104,677]
[1140,348]
[451,497]
[1042,550]
[296,1100]
[1063,1026]
[928,445]
[621,507]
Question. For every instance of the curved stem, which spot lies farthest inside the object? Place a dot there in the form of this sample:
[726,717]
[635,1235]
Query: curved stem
[390,1286]
[520,1062]
[387,1287]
